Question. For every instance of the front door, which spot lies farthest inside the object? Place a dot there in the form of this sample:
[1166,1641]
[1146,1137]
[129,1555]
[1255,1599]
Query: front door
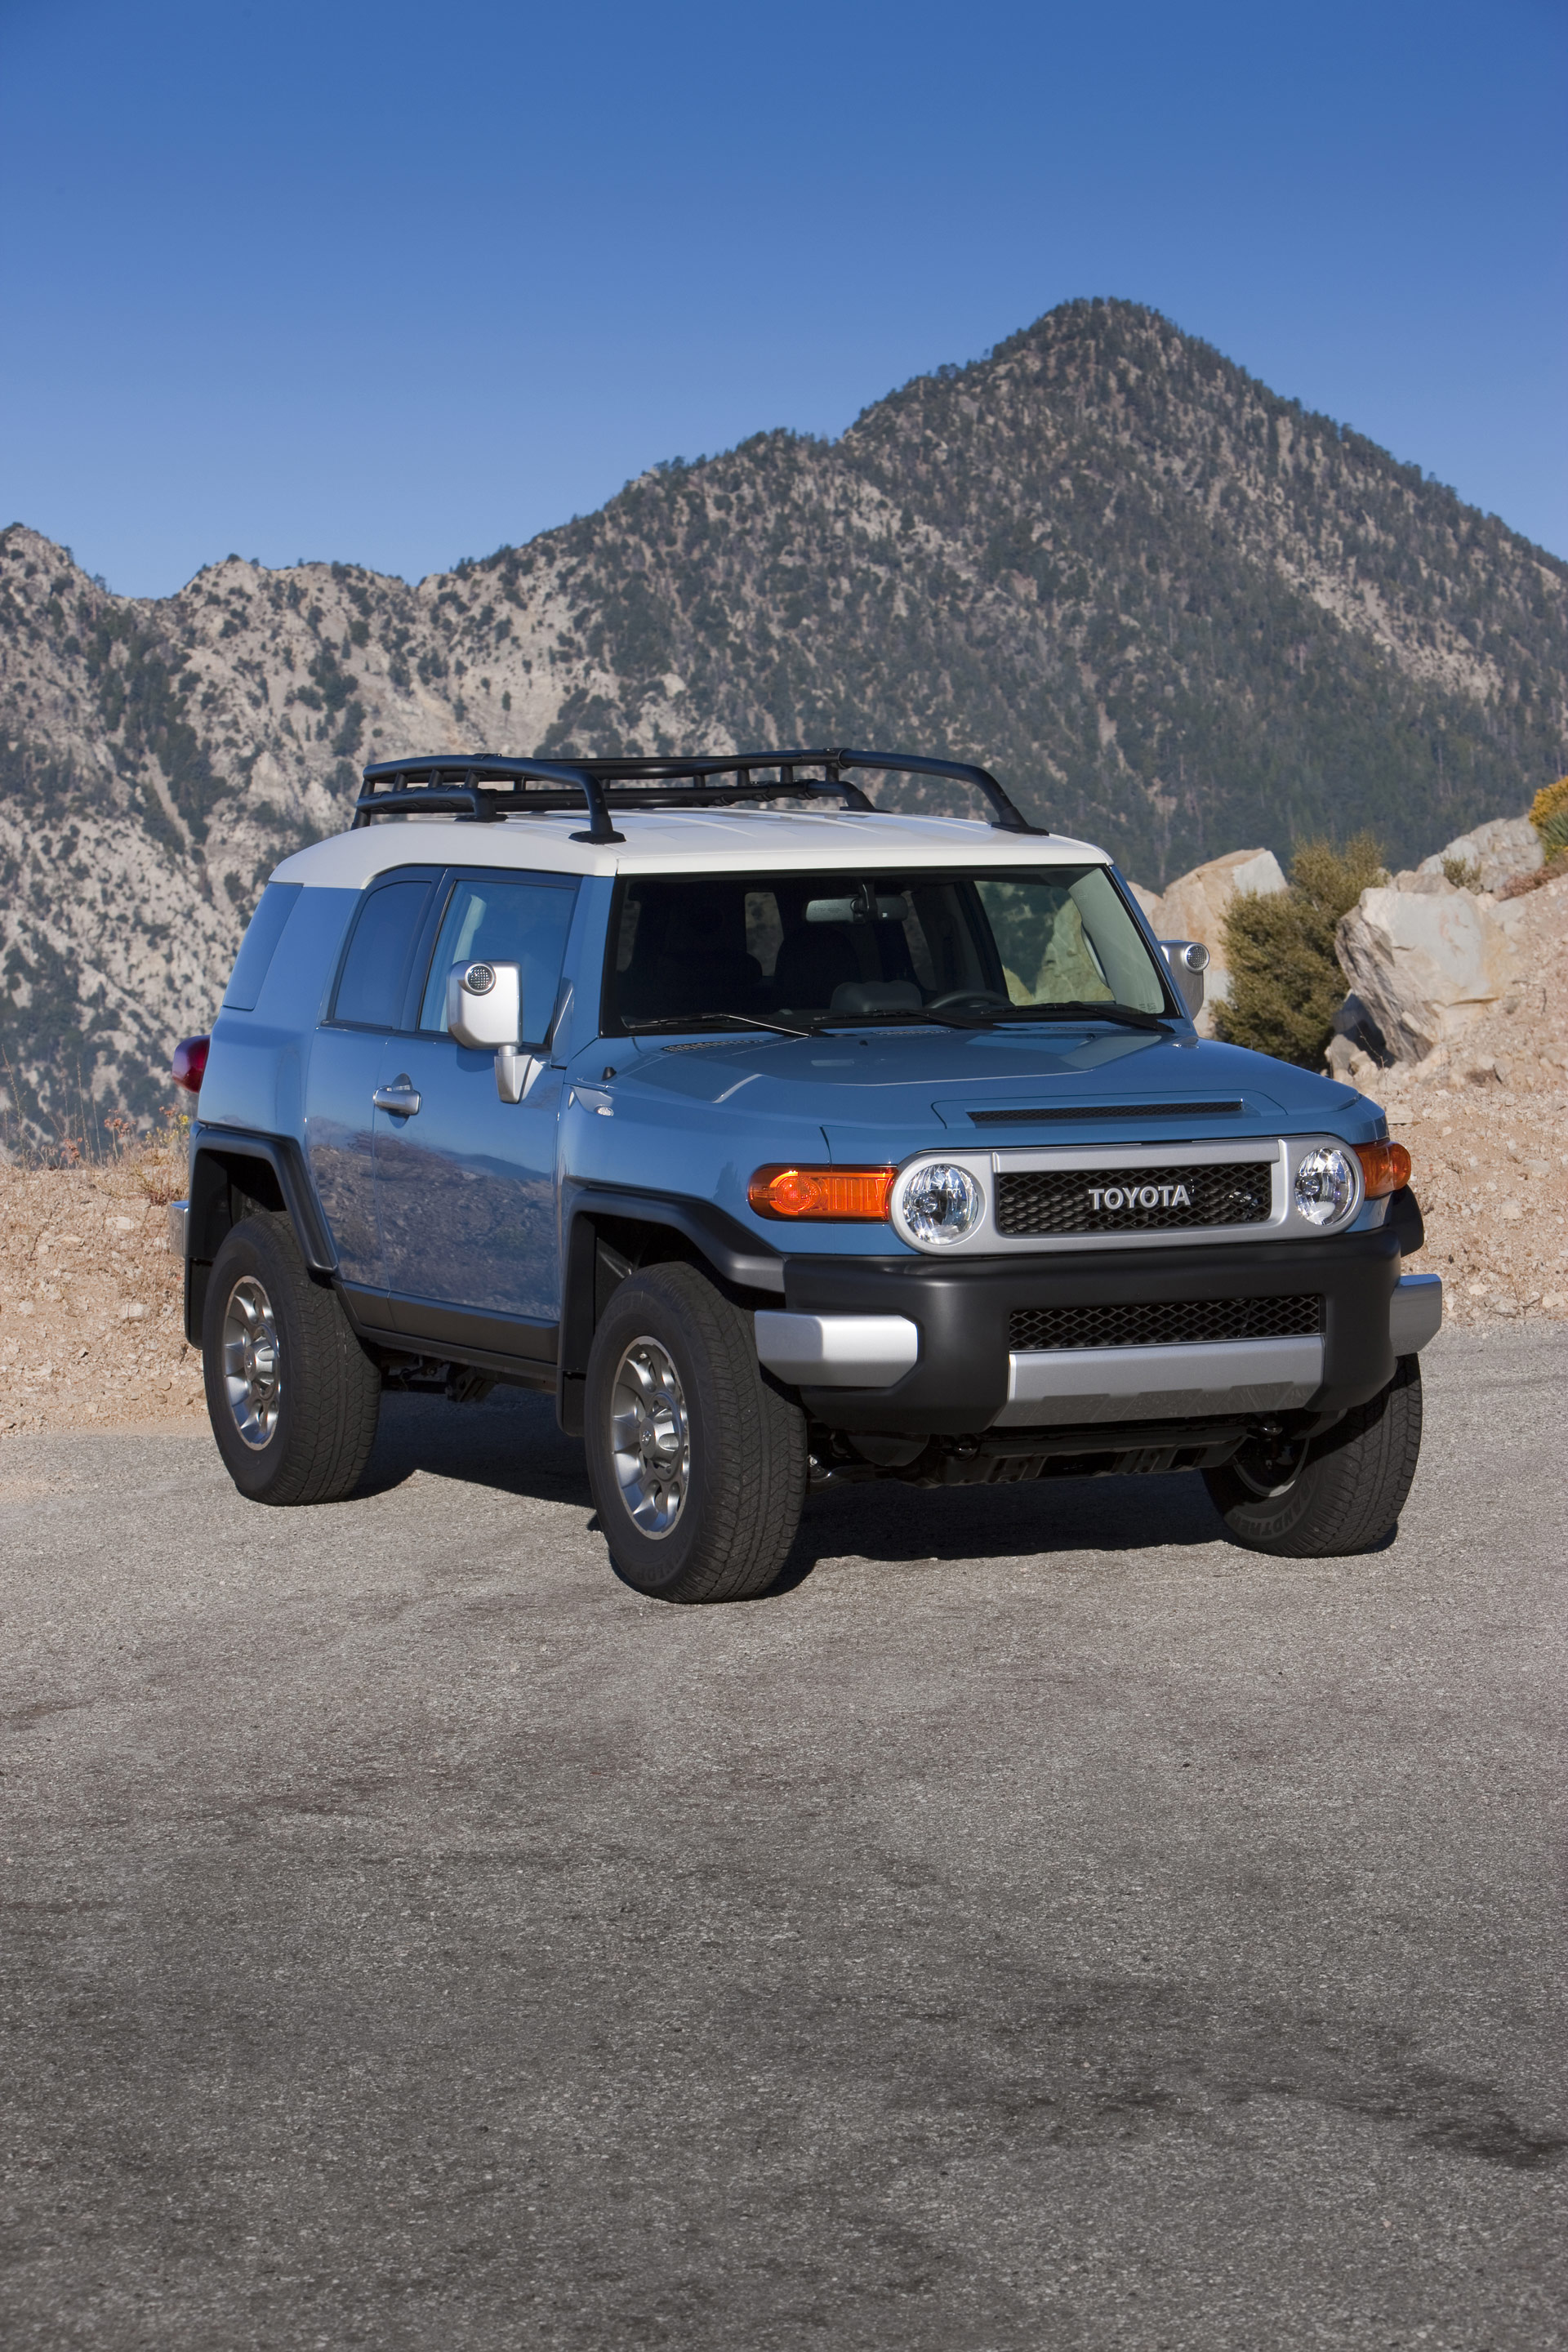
[466,1185]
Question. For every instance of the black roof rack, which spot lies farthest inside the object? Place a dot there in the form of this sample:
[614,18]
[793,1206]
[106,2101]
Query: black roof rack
[482,789]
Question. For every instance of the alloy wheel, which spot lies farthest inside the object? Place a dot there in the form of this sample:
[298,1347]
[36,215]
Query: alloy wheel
[650,1437]
[252,1362]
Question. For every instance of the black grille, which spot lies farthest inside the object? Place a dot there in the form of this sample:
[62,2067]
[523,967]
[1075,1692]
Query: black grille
[1172,1323]
[1134,1199]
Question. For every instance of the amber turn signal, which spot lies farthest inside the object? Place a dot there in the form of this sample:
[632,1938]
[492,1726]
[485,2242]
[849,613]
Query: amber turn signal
[190,1063]
[850,1192]
[1384,1166]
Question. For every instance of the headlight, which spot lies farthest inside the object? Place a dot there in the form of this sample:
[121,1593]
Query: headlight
[1325,1185]
[939,1203]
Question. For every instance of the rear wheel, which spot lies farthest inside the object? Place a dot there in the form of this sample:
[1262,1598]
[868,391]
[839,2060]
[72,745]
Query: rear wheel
[698,1463]
[1339,1493]
[292,1397]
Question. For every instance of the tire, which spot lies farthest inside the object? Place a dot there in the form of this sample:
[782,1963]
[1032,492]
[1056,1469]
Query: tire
[719,1525]
[295,1421]
[1349,1490]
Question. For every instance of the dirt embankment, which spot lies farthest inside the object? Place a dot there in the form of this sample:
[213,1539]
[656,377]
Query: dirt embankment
[1486,1126]
[90,1332]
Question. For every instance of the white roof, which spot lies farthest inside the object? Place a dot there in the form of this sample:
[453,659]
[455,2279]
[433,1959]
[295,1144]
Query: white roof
[678,841]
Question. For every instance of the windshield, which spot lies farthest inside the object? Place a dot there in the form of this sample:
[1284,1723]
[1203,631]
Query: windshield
[800,950]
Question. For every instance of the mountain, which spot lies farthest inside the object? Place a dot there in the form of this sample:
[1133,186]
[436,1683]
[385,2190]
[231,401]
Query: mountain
[1175,612]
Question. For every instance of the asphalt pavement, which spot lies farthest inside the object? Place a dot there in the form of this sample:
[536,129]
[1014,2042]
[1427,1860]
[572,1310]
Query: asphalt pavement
[1037,1924]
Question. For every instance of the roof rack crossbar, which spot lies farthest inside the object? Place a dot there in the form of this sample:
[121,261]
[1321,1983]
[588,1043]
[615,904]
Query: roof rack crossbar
[482,789]
[1006,815]
[418,786]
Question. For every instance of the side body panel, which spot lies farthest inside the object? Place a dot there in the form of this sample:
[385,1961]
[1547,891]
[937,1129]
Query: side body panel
[466,1186]
[255,1078]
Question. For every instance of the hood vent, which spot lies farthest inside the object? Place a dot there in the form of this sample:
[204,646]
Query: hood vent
[1022,1115]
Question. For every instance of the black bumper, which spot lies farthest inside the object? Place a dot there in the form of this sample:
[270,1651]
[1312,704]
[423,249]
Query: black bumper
[960,1384]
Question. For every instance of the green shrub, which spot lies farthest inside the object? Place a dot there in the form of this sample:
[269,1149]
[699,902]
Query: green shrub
[1462,872]
[1285,980]
[1549,816]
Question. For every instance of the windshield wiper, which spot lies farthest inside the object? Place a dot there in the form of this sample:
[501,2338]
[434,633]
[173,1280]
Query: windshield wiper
[712,1021]
[889,1017]
[1081,1009]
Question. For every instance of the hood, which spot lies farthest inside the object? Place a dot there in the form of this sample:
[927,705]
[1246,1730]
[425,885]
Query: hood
[880,1094]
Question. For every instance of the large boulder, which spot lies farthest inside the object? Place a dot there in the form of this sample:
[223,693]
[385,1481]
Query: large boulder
[1196,906]
[1496,853]
[1425,959]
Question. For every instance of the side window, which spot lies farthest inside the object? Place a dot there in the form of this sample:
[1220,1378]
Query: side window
[375,969]
[504,921]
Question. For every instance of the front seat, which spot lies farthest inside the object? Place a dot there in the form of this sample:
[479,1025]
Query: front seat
[812,962]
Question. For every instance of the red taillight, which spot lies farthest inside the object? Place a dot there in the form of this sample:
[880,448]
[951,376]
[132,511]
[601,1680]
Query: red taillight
[190,1063]
[856,1194]
[1384,1166]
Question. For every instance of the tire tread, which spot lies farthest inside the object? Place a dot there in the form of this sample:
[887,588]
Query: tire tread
[333,1401]
[1352,1489]
[753,1475]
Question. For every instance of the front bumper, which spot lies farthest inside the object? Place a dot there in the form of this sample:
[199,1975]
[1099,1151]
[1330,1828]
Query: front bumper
[849,1327]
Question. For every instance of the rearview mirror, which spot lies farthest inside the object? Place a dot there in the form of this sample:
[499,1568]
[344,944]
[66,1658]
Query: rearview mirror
[1188,960]
[484,1010]
[484,1005]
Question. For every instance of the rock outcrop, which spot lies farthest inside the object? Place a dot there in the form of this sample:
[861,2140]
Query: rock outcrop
[1495,854]
[1425,959]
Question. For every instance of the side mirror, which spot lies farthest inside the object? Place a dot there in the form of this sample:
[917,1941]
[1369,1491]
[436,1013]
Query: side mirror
[484,1010]
[1188,959]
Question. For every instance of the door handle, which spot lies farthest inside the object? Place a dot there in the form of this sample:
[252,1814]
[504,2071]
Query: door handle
[401,1098]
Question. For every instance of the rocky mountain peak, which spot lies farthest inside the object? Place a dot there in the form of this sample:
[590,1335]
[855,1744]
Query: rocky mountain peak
[1175,610]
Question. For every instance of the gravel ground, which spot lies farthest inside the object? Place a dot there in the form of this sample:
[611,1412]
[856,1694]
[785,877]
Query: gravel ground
[1037,1924]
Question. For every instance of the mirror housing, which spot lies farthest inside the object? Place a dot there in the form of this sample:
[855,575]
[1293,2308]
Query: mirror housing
[1188,960]
[484,1010]
[484,1005]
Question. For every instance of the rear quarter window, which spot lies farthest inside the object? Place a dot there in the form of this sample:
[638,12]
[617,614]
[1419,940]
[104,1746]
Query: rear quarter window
[374,976]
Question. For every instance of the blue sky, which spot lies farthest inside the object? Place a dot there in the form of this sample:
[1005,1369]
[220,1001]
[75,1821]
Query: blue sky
[398,284]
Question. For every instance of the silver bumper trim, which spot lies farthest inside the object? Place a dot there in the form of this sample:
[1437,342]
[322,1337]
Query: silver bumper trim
[1416,1312]
[836,1351]
[179,1213]
[1158,1383]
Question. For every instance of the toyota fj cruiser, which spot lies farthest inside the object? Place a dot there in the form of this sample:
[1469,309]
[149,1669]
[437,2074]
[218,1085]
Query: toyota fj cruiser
[787,1141]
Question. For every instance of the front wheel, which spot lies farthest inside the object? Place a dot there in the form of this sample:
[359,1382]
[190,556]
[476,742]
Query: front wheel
[1339,1493]
[698,1462]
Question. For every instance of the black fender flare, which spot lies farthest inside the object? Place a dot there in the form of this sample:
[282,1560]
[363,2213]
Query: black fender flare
[736,1256]
[1405,1218]
[226,1161]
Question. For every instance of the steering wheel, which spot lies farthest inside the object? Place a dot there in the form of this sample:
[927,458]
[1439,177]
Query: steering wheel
[980,997]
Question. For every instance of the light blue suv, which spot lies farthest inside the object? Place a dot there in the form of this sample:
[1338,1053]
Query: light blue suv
[787,1142]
